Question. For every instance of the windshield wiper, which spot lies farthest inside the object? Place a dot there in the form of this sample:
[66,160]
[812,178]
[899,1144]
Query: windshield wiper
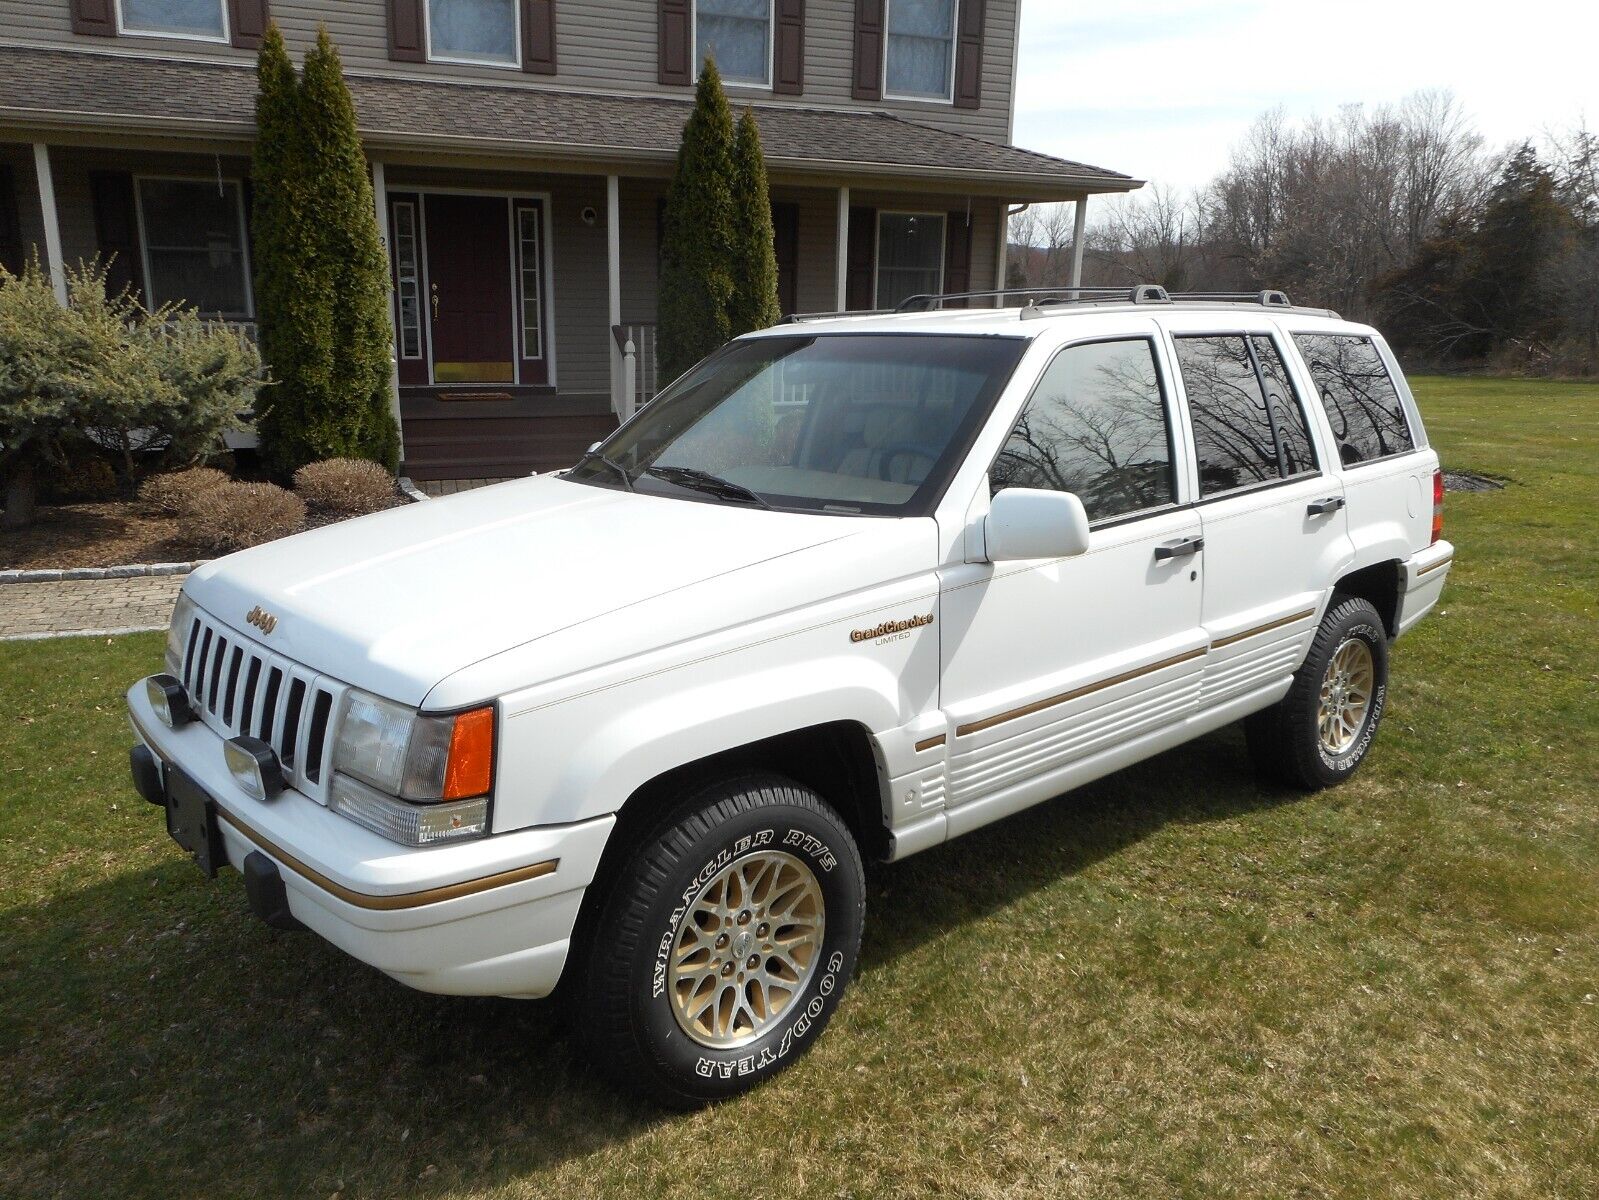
[704,481]
[606,460]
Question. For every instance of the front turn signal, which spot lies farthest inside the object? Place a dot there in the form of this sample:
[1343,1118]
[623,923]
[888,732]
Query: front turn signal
[470,769]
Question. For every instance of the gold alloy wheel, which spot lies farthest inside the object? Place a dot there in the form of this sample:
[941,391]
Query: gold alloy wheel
[1346,691]
[746,948]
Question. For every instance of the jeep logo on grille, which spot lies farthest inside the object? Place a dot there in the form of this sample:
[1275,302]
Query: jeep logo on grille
[261,619]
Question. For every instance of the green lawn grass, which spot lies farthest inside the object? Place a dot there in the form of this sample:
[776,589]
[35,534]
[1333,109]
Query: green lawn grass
[1172,983]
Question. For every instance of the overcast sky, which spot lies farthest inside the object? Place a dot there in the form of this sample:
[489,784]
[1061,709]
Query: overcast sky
[1161,89]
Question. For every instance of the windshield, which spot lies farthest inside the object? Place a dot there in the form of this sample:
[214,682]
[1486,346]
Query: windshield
[841,423]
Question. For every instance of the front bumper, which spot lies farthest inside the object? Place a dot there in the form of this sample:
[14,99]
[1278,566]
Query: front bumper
[492,917]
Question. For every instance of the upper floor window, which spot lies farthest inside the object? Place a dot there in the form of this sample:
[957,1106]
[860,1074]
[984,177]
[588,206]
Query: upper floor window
[474,31]
[1360,398]
[1097,426]
[920,49]
[738,33]
[194,249]
[910,256]
[203,19]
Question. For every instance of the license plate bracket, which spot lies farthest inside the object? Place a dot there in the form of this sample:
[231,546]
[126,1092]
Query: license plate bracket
[192,821]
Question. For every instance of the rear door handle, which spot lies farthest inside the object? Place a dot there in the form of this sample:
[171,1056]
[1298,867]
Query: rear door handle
[1320,508]
[1179,549]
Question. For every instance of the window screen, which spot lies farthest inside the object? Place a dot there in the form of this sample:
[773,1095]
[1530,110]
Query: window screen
[1361,401]
[1232,429]
[1096,425]
[474,30]
[1288,414]
[181,18]
[921,40]
[738,34]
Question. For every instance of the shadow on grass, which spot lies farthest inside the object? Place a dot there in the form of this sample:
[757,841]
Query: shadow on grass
[157,1040]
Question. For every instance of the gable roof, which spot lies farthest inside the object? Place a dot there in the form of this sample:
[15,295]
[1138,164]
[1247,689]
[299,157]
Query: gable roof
[119,92]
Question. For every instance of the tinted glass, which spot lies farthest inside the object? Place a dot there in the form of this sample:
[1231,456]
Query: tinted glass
[1293,433]
[845,423]
[1096,425]
[1361,402]
[1232,430]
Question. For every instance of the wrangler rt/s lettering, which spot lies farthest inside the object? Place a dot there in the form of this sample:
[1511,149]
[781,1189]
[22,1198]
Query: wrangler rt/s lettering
[849,588]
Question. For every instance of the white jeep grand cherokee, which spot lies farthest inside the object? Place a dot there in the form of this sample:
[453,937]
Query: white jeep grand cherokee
[851,587]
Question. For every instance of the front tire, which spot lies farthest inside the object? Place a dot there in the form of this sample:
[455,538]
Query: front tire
[725,943]
[1321,731]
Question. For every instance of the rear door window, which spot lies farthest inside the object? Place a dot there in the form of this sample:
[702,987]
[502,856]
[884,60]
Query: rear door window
[1233,435]
[1362,403]
[1096,425]
[1286,409]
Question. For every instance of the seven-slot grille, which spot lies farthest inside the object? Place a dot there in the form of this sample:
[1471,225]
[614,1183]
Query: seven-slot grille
[240,688]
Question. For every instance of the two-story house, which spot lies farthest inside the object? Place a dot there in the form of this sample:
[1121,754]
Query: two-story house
[520,152]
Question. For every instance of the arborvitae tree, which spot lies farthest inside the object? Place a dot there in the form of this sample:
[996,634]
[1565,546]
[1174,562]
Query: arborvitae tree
[755,304]
[698,245]
[351,251]
[321,278]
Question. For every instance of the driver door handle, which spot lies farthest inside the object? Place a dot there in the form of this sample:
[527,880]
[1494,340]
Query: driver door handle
[1179,549]
[1320,508]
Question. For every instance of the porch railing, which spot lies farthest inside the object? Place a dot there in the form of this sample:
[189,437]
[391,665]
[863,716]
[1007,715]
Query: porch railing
[640,379]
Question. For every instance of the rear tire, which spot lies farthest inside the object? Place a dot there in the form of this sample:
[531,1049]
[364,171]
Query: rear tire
[1321,731]
[725,943]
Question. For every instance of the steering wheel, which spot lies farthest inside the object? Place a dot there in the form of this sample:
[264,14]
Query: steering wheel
[895,450]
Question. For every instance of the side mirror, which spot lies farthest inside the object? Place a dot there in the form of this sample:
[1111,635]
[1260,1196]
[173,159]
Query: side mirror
[1035,523]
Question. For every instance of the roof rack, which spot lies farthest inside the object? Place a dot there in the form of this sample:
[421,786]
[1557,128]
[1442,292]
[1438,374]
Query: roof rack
[1143,293]
[1040,299]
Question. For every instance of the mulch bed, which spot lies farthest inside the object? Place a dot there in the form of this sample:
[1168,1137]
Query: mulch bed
[108,534]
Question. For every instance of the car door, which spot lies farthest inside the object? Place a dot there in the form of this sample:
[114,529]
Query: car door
[1274,523]
[1049,664]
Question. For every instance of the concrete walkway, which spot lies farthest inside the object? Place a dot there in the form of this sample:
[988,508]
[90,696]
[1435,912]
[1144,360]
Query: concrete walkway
[87,606]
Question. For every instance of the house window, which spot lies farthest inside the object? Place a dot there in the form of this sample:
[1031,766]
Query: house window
[192,231]
[738,34]
[175,18]
[910,256]
[527,228]
[408,280]
[474,31]
[920,49]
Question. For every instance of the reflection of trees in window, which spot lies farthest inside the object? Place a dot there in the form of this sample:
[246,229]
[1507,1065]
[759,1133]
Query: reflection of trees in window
[1285,406]
[1362,404]
[1232,427]
[1095,426]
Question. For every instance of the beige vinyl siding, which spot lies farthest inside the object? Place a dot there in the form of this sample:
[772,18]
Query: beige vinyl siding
[602,45]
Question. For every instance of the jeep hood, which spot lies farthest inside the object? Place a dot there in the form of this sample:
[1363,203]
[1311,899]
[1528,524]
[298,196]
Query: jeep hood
[396,601]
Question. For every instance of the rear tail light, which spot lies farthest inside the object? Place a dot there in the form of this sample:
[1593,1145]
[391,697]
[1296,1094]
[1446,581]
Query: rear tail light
[1437,506]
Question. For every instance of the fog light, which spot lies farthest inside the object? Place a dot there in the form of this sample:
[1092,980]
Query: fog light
[170,701]
[254,766]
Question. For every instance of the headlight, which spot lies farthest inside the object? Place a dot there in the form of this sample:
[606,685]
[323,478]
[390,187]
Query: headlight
[178,634]
[416,779]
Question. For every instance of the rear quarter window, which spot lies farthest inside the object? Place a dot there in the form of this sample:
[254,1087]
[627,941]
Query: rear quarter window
[1362,404]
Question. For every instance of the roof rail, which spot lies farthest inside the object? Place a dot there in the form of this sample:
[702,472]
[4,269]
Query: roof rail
[1268,298]
[1144,293]
[797,318]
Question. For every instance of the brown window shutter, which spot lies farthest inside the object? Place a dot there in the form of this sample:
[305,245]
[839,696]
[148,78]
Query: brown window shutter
[868,50]
[247,22]
[10,224]
[116,230]
[406,43]
[538,36]
[861,255]
[676,42]
[958,255]
[969,55]
[788,48]
[97,17]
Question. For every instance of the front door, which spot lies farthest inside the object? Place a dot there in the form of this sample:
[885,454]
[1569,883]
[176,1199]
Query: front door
[469,272]
[1049,663]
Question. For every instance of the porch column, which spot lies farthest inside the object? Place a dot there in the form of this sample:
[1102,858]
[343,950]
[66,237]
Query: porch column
[1001,253]
[1079,220]
[52,220]
[621,400]
[841,269]
[380,200]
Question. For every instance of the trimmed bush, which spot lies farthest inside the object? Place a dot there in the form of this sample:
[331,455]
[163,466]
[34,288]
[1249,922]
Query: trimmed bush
[181,493]
[239,515]
[347,486]
[754,304]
